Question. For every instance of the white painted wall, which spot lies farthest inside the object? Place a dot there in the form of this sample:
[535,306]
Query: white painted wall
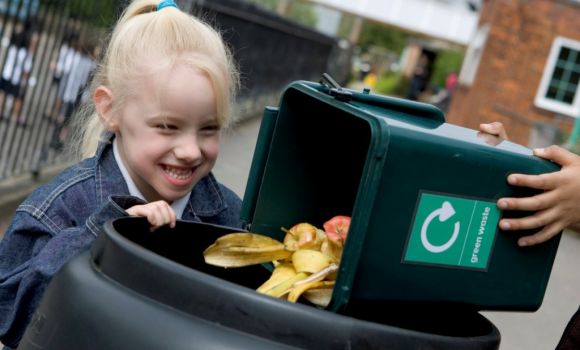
[449,20]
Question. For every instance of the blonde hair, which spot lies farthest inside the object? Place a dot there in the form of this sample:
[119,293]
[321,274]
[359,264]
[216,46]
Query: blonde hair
[143,32]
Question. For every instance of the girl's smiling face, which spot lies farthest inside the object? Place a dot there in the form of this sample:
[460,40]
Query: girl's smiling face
[168,132]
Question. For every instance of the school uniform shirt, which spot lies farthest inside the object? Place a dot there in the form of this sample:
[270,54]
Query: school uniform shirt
[18,60]
[77,77]
[63,67]
[61,219]
[61,62]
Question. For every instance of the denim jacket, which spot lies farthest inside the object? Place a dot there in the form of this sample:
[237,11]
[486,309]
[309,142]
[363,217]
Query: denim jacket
[62,218]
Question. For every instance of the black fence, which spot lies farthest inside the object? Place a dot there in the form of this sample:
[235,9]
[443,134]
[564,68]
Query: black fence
[271,51]
[47,52]
[49,48]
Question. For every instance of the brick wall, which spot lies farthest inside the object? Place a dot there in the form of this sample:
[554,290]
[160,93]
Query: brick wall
[517,47]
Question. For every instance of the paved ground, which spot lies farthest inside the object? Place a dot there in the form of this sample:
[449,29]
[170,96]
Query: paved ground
[542,329]
[538,330]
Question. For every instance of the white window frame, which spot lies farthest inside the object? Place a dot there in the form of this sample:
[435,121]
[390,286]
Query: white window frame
[572,110]
[473,56]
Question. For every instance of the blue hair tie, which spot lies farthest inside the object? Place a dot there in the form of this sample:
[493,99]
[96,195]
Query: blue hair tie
[166,3]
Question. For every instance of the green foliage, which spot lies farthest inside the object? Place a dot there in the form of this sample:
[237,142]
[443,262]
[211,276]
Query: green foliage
[374,34]
[574,148]
[568,140]
[392,84]
[345,26]
[100,13]
[299,11]
[302,12]
[446,62]
[267,4]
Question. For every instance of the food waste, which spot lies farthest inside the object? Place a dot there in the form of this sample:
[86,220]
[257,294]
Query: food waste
[305,263]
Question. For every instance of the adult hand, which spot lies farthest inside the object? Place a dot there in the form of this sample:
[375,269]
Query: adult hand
[556,208]
[158,214]
[495,128]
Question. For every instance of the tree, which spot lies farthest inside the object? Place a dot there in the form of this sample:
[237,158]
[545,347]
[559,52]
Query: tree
[100,13]
[446,62]
[375,34]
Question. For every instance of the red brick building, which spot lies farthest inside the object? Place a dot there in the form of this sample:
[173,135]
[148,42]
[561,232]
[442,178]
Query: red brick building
[522,68]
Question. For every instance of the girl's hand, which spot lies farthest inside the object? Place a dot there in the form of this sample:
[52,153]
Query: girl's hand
[157,213]
[557,208]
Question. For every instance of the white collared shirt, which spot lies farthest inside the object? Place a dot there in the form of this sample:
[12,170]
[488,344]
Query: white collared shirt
[177,205]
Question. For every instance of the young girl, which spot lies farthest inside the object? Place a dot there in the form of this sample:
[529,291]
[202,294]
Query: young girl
[161,96]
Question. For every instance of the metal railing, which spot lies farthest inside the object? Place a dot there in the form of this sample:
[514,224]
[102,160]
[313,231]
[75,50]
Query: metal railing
[47,49]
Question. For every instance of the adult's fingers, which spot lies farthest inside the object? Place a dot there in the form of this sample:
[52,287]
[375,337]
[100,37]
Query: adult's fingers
[494,128]
[557,154]
[534,221]
[546,181]
[540,201]
[544,235]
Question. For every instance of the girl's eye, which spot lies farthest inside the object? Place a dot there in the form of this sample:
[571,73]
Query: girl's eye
[166,127]
[210,129]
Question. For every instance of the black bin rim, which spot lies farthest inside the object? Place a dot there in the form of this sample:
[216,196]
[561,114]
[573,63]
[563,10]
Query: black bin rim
[185,289]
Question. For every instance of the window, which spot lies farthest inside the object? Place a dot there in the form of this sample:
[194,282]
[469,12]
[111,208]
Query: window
[558,91]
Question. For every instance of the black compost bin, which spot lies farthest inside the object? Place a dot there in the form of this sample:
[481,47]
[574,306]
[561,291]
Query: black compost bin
[152,290]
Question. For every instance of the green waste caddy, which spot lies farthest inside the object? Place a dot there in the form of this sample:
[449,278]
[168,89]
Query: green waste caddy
[423,256]
[421,193]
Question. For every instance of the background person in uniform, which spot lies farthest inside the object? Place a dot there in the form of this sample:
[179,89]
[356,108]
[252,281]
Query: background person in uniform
[419,78]
[61,69]
[73,83]
[16,70]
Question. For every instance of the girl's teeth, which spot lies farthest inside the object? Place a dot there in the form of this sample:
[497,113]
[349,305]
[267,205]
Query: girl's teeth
[180,174]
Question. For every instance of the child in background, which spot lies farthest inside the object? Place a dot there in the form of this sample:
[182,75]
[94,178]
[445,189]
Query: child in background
[81,67]
[16,70]
[161,95]
[555,209]
[62,67]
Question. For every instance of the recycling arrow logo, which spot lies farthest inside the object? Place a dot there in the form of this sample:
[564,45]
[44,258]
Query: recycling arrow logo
[445,212]
[451,230]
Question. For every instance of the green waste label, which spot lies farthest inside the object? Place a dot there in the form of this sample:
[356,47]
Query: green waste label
[452,231]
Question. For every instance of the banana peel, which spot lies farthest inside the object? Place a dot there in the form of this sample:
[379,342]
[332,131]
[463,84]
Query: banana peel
[284,271]
[285,286]
[244,249]
[306,262]
[315,280]
[320,294]
[297,291]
